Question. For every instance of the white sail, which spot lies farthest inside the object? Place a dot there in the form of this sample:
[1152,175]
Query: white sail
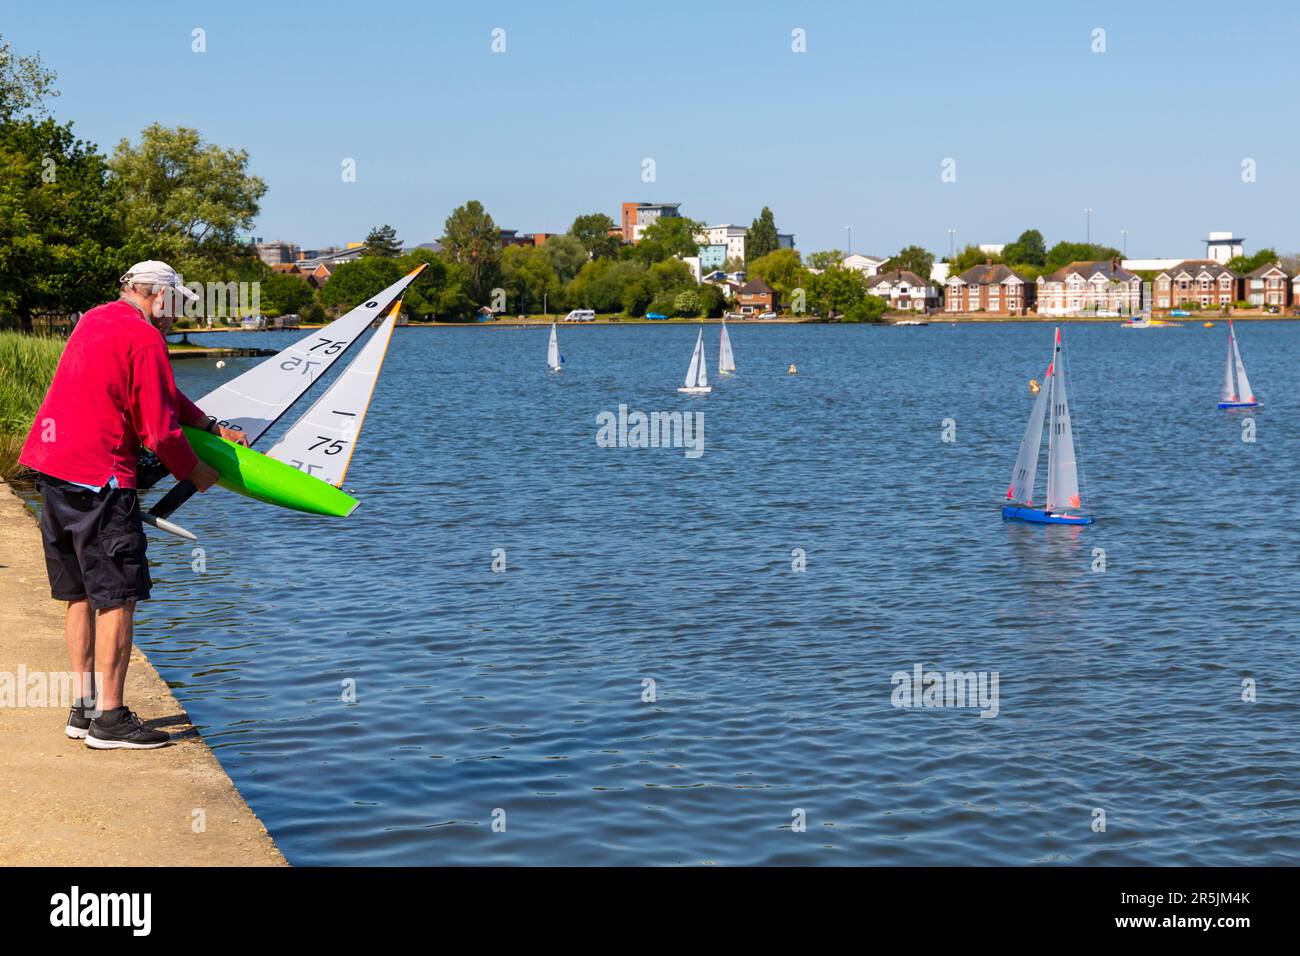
[322,441]
[1023,475]
[726,360]
[1062,469]
[1244,394]
[254,401]
[697,376]
[1229,393]
[553,350]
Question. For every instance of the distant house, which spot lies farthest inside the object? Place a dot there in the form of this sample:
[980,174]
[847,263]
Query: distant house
[989,288]
[756,297]
[731,238]
[1295,289]
[1083,286]
[1268,285]
[904,291]
[1194,282]
[867,265]
[318,275]
[287,268]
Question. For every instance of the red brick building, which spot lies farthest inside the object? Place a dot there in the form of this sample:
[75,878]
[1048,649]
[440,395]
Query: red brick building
[1194,282]
[1268,285]
[989,288]
[756,297]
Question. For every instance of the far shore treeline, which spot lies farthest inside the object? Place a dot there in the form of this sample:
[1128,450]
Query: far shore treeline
[72,219]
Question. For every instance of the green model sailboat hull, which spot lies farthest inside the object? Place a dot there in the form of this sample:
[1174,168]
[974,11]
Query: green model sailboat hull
[252,474]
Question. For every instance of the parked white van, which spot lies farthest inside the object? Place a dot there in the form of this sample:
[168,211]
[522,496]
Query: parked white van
[581,315]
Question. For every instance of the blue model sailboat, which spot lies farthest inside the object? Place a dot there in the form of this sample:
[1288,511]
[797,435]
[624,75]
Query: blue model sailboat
[1236,395]
[1063,499]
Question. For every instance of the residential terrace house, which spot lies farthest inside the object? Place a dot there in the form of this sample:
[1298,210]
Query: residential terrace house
[904,291]
[756,297]
[1201,282]
[1084,286]
[989,288]
[1268,285]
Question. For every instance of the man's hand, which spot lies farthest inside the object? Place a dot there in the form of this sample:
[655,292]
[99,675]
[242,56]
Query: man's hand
[204,476]
[233,434]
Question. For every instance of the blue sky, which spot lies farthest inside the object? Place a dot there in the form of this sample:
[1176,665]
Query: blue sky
[1150,134]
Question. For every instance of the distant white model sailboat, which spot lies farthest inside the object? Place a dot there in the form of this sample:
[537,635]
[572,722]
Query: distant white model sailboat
[697,376]
[1062,468]
[321,442]
[554,360]
[1238,395]
[726,360]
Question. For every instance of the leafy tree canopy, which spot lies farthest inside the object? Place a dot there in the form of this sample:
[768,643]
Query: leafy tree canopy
[60,226]
[593,231]
[472,241]
[913,259]
[762,237]
[382,241]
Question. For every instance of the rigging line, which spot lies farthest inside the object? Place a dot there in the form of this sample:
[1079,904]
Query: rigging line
[1078,450]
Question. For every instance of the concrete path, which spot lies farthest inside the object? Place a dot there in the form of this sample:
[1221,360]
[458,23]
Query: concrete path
[62,803]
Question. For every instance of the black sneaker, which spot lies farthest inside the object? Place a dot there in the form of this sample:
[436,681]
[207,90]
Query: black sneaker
[128,732]
[78,723]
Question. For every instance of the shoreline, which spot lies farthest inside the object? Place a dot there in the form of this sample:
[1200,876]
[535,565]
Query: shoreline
[63,804]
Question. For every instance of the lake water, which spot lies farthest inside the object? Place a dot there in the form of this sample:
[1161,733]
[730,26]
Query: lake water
[525,691]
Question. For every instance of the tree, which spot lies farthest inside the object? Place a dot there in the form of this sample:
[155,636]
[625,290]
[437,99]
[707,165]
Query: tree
[184,197]
[666,237]
[712,301]
[762,237]
[969,257]
[352,282]
[60,228]
[1243,265]
[1063,253]
[593,231]
[472,241]
[671,275]
[284,294]
[1028,250]
[826,258]
[566,254]
[836,289]
[782,270]
[870,308]
[382,241]
[913,259]
[529,278]
[24,84]
[439,291]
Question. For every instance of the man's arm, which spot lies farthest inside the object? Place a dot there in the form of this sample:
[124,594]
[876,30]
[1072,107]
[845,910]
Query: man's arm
[154,410]
[192,415]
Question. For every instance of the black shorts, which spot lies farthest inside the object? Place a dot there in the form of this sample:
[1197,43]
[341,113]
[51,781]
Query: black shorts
[94,544]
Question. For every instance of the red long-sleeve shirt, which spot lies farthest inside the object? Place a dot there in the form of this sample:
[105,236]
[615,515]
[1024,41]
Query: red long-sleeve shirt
[112,392]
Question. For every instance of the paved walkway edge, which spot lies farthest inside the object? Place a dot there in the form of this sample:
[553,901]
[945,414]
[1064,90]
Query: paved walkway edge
[63,804]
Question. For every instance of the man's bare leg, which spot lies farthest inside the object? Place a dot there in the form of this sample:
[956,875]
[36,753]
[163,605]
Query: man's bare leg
[114,631]
[79,630]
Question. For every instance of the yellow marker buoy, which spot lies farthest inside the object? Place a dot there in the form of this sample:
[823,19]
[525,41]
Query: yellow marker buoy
[1034,387]
[1209,325]
[792,369]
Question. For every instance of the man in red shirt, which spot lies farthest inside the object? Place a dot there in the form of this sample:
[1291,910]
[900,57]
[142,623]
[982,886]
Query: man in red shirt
[112,393]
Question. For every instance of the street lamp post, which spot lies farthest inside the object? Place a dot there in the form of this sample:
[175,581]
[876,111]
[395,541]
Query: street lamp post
[952,241]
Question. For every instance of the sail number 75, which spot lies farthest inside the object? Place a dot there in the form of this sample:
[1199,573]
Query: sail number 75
[331,447]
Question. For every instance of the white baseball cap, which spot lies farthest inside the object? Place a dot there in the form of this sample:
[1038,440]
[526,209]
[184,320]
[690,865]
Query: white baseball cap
[153,272]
